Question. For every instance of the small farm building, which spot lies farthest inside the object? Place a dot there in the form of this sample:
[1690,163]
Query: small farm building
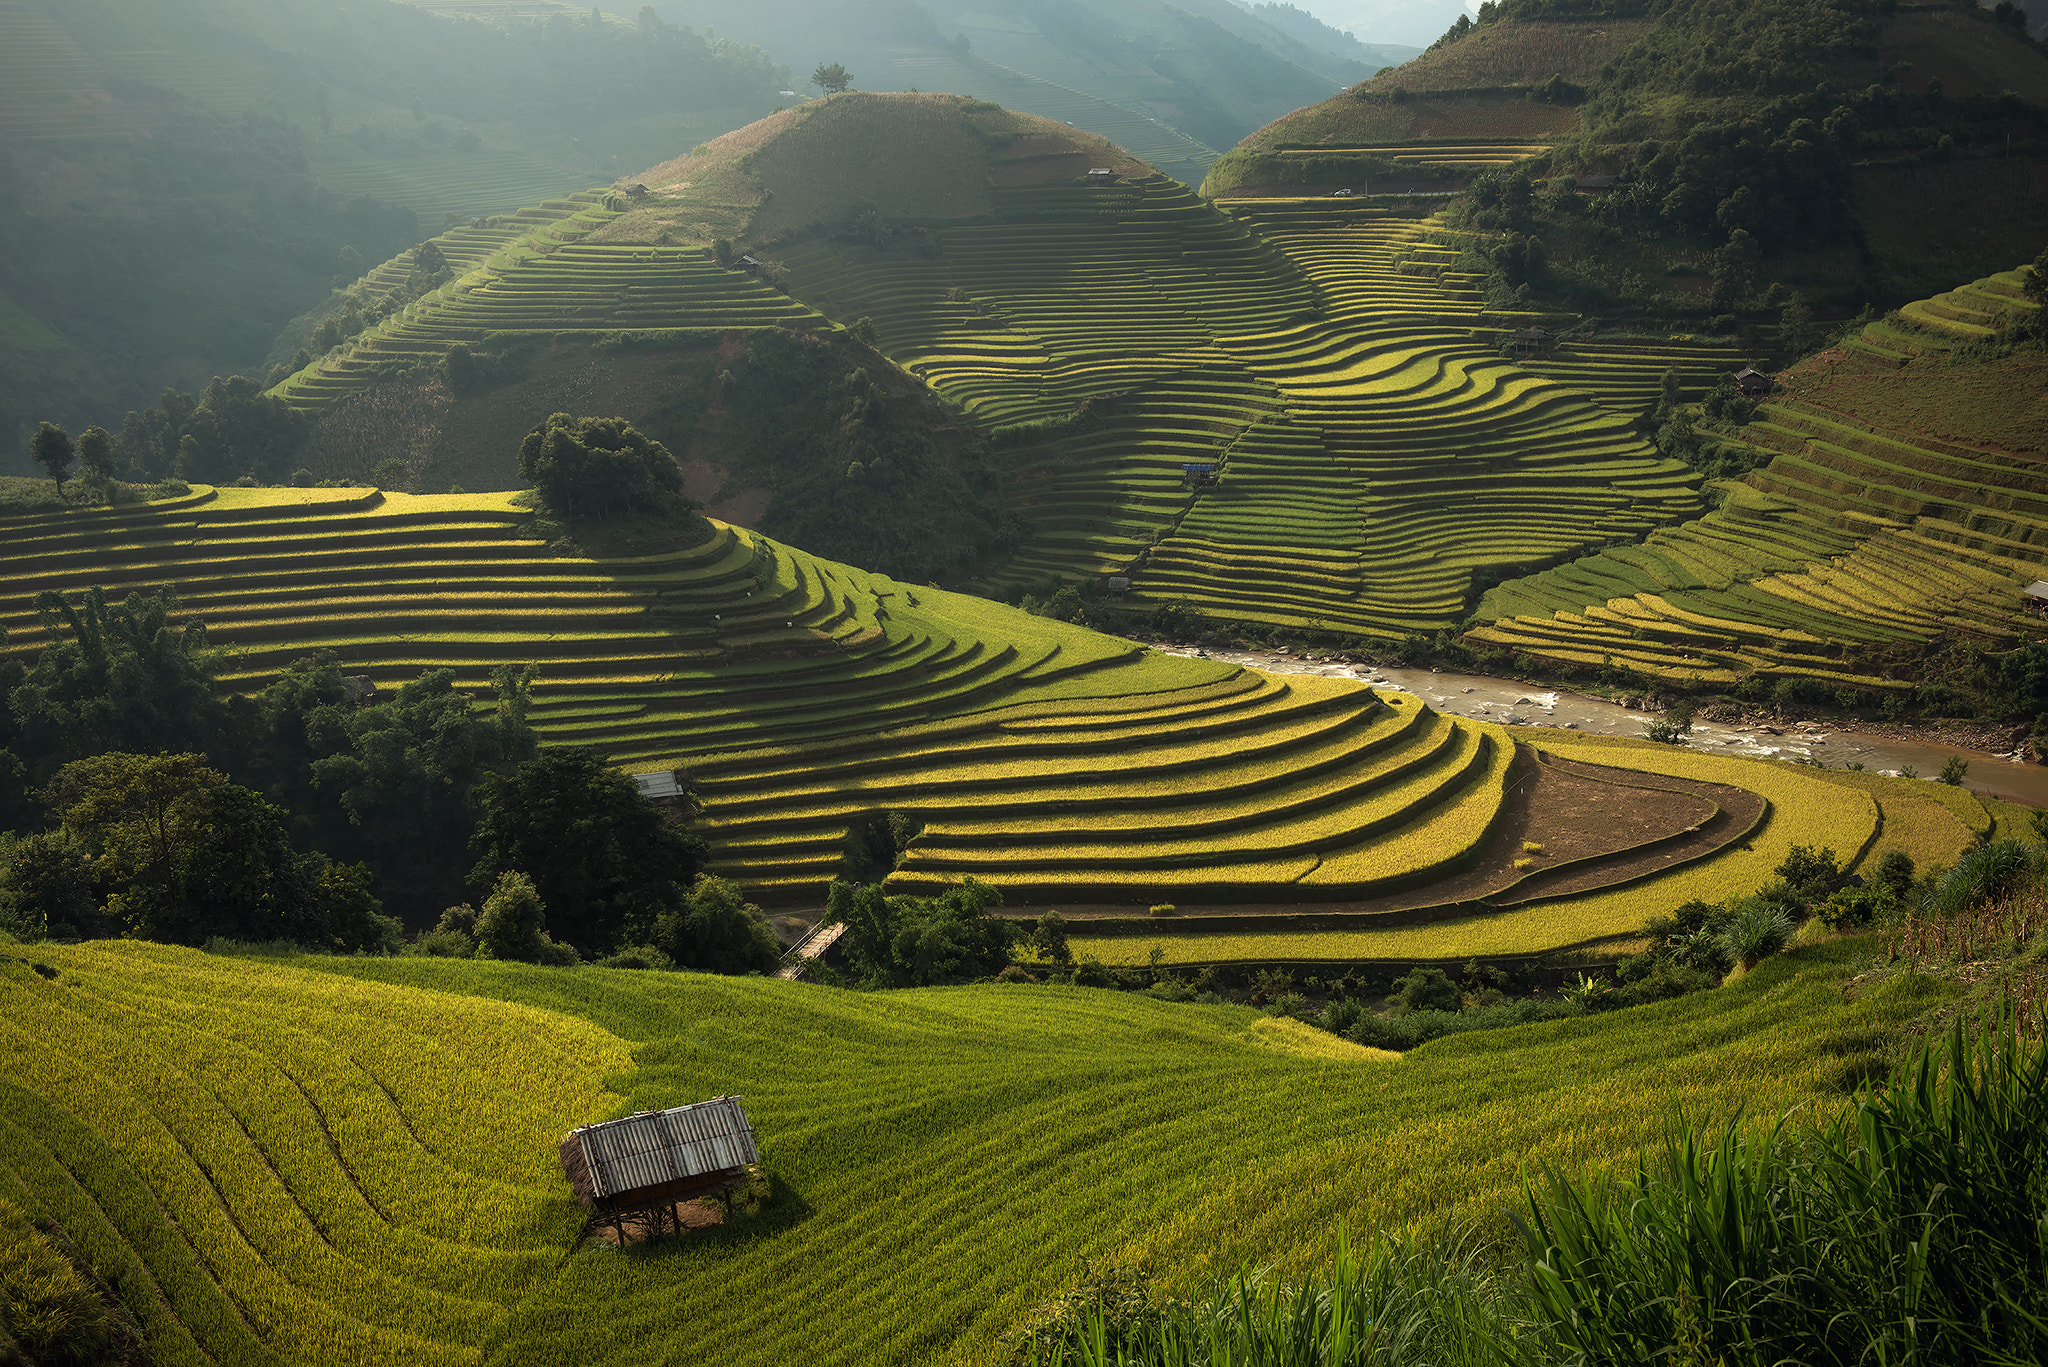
[1197,475]
[1752,383]
[1101,175]
[1595,183]
[650,1161]
[660,786]
[1119,585]
[2036,595]
[1528,340]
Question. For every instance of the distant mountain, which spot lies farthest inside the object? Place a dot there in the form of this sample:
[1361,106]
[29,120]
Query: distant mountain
[1304,27]
[1205,68]
[179,178]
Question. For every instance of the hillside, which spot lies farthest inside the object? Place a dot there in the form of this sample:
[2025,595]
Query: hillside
[1889,508]
[1885,153]
[1065,349]
[181,180]
[1204,73]
[1102,336]
[803,699]
[317,1160]
[1291,817]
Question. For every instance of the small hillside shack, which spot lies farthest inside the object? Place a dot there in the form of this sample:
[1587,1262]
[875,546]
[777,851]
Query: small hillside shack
[1102,175]
[1529,341]
[646,1163]
[1752,383]
[1198,475]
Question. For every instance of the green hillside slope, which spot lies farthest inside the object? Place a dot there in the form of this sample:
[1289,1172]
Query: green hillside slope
[1110,335]
[1867,153]
[1895,499]
[1336,364]
[181,180]
[314,1161]
[805,698]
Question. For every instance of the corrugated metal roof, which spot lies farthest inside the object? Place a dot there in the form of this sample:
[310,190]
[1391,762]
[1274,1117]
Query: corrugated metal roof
[658,785]
[653,1147]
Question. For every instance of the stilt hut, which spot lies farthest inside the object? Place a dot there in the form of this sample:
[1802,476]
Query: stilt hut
[645,1164]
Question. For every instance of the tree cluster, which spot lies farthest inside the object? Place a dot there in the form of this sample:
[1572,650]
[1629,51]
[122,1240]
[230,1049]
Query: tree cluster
[601,468]
[230,430]
[387,785]
[857,476]
[141,803]
[164,847]
[919,941]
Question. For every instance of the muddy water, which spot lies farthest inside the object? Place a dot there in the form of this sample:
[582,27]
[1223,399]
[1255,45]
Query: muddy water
[1515,704]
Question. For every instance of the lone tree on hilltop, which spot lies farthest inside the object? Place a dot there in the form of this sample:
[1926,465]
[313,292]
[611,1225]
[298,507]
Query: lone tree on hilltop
[601,467]
[830,79]
[51,446]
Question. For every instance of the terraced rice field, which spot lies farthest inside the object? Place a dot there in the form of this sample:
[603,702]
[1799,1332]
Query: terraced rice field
[1857,815]
[47,80]
[1850,539]
[1470,156]
[805,697]
[532,273]
[1343,399]
[1628,377]
[327,1160]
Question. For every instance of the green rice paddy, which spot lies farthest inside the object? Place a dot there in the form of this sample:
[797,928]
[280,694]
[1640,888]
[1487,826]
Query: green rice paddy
[803,697]
[1848,536]
[328,1160]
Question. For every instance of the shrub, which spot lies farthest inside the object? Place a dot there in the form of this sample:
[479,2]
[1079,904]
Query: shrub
[1894,872]
[509,926]
[1659,979]
[1340,1015]
[1954,771]
[716,930]
[1426,989]
[1090,972]
[1288,1004]
[1812,874]
[1851,908]
[1164,909]
[637,956]
[1755,930]
[1014,973]
[1984,873]
[454,937]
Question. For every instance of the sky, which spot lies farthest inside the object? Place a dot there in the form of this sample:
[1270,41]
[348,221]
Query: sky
[1415,23]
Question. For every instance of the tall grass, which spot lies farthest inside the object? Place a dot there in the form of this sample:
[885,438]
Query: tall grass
[1911,1228]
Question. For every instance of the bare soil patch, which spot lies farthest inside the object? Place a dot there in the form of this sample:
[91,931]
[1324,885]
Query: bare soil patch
[643,1225]
[1738,810]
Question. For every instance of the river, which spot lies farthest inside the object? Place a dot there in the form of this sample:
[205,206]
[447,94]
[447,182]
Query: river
[1518,704]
